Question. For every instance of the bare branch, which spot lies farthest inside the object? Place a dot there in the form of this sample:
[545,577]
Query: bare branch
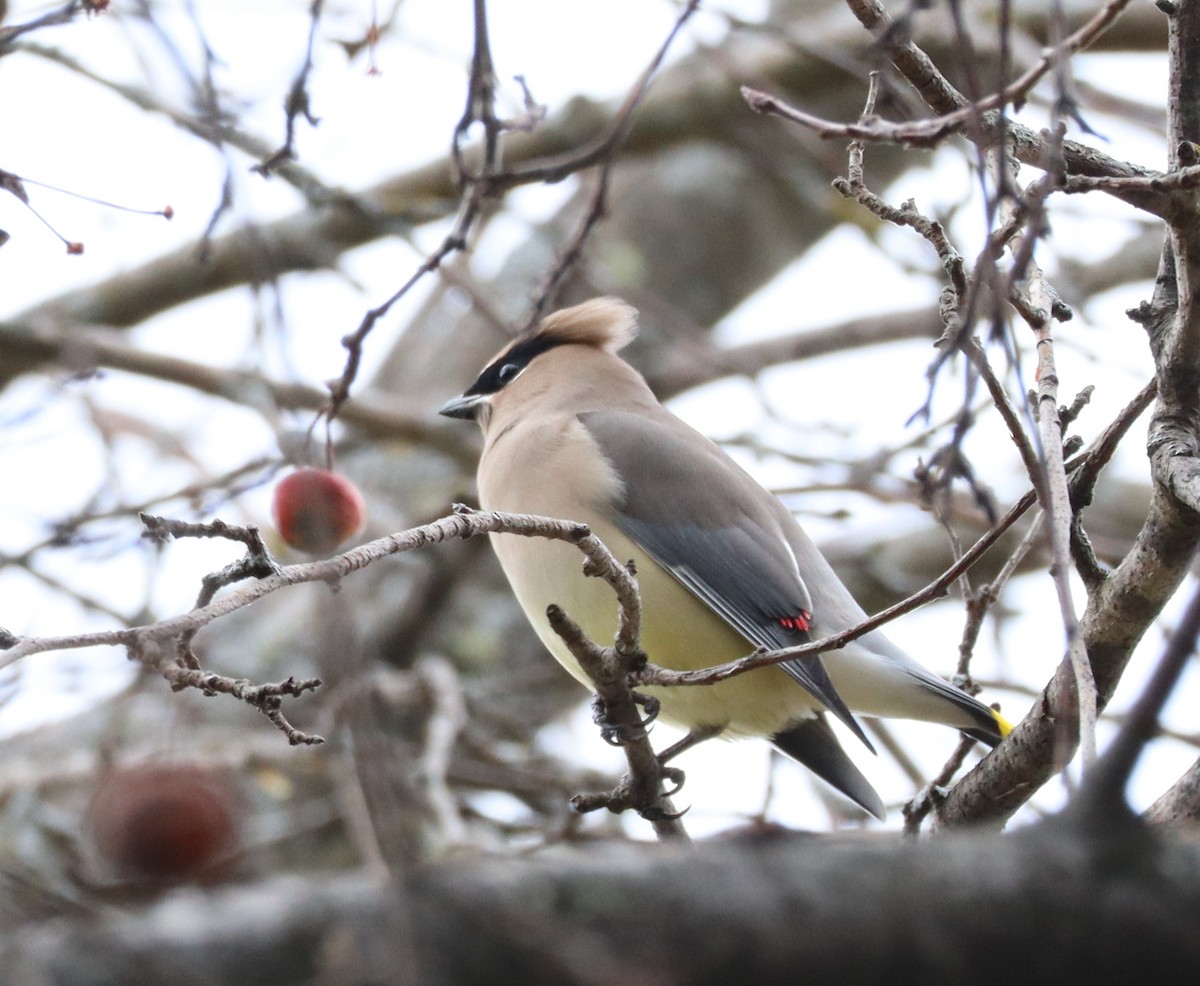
[298,102]
[461,525]
[79,347]
[930,132]
[641,789]
[490,180]
[63,15]
[268,699]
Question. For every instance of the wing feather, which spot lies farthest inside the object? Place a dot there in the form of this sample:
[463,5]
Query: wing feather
[717,532]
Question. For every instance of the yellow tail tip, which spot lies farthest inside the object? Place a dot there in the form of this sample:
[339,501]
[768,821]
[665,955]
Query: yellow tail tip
[1002,724]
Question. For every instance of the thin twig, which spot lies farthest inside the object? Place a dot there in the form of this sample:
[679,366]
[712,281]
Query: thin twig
[1057,505]
[257,563]
[491,180]
[654,675]
[267,698]
[944,99]
[63,15]
[929,132]
[298,102]
[932,794]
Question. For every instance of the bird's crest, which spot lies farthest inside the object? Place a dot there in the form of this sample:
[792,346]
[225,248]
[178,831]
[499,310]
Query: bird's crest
[604,323]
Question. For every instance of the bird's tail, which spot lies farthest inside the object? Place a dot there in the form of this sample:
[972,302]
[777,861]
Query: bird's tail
[992,728]
[984,723]
[812,742]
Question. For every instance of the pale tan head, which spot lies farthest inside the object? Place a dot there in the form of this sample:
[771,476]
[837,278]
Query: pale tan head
[570,358]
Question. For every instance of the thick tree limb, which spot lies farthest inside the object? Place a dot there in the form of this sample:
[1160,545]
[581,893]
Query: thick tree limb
[1057,903]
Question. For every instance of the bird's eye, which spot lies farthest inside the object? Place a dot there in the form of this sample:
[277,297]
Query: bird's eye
[508,372]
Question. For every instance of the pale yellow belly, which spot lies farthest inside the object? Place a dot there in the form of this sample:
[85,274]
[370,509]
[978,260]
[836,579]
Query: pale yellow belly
[678,632]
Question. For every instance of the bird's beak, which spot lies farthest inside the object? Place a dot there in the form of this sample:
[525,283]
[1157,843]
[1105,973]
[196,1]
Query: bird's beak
[466,407]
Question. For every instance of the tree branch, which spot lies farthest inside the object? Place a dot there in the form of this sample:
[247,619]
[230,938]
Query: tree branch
[1120,902]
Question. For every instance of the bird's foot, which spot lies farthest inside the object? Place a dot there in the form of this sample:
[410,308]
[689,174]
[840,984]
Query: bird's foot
[619,734]
[629,794]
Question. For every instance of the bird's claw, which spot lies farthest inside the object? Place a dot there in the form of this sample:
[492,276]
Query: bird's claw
[652,706]
[674,777]
[656,814]
[618,734]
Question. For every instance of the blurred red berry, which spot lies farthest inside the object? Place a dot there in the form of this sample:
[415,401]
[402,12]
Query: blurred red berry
[315,511]
[162,822]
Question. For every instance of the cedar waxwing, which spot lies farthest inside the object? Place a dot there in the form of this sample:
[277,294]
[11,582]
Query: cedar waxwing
[572,431]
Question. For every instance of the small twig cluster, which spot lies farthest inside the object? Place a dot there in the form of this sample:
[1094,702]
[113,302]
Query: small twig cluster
[490,179]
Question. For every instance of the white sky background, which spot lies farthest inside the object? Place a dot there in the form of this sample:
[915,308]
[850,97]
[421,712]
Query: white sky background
[61,130]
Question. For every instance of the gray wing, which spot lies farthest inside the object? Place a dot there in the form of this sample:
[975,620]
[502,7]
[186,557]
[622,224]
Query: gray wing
[717,532]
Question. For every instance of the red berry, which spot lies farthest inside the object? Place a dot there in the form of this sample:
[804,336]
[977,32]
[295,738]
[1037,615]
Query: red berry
[163,822]
[315,510]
